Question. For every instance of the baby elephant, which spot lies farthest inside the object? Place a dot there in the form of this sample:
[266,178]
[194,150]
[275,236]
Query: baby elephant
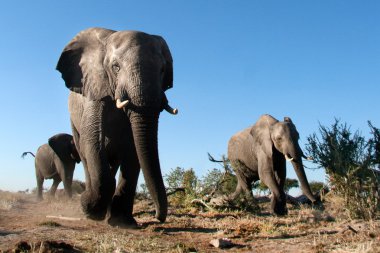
[260,151]
[56,160]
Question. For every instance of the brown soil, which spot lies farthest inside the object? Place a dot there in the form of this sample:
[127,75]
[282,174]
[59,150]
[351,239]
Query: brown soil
[25,226]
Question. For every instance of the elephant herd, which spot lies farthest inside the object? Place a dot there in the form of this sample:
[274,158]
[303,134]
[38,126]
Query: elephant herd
[117,82]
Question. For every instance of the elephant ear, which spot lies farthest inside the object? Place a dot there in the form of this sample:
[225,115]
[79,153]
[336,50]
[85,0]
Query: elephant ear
[81,63]
[61,144]
[261,133]
[167,82]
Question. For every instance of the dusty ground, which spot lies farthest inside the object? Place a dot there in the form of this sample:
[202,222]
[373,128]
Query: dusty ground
[25,227]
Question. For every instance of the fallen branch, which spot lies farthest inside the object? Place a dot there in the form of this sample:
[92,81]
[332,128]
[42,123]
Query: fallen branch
[202,203]
[63,218]
[180,189]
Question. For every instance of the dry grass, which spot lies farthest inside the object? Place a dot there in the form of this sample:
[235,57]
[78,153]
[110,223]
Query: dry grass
[8,200]
[187,230]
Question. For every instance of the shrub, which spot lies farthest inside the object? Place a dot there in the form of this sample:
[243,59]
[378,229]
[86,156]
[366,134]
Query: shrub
[219,182]
[260,188]
[316,186]
[349,160]
[142,192]
[289,184]
[182,186]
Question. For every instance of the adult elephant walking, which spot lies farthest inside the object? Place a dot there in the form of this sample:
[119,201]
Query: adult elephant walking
[118,80]
[260,151]
[56,160]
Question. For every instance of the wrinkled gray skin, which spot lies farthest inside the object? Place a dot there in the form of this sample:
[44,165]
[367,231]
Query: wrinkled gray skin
[100,66]
[259,152]
[56,160]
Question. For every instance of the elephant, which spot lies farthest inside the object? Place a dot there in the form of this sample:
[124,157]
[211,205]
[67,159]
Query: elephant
[56,160]
[260,153]
[117,81]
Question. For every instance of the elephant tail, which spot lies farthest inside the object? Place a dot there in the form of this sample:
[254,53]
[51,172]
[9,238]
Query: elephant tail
[25,153]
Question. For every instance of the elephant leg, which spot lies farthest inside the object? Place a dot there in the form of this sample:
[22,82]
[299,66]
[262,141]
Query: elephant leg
[267,175]
[54,186]
[122,202]
[68,181]
[96,198]
[245,179]
[66,171]
[278,202]
[40,182]
[279,165]
[100,183]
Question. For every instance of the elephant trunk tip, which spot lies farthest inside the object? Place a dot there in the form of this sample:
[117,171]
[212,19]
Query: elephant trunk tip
[171,110]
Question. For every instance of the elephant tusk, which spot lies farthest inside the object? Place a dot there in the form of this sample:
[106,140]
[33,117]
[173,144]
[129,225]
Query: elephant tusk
[288,158]
[120,104]
[170,110]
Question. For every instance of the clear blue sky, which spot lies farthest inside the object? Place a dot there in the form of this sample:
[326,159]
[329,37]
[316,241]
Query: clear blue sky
[233,61]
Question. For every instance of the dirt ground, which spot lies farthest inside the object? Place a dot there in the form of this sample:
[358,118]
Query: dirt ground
[30,226]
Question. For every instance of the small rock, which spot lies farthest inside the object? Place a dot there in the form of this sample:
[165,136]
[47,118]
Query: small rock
[221,243]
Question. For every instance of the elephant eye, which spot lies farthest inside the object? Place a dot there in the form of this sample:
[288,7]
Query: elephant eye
[115,68]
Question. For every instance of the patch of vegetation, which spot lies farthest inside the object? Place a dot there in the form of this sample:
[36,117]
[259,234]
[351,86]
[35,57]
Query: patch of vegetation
[317,186]
[350,162]
[123,241]
[219,182]
[9,199]
[183,186]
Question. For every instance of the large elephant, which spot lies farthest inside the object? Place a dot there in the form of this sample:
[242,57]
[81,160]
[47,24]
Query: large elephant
[118,80]
[56,160]
[260,151]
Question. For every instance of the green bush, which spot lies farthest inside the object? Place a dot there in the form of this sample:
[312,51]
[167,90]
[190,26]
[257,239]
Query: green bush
[219,182]
[182,186]
[289,184]
[350,161]
[316,186]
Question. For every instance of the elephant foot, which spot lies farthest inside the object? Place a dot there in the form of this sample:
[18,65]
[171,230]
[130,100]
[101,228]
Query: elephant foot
[93,210]
[122,222]
[161,216]
[280,211]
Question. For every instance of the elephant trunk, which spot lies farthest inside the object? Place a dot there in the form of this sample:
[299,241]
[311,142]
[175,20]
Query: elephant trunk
[145,130]
[296,155]
[300,171]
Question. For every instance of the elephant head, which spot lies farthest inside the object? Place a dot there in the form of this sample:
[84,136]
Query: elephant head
[134,69]
[63,145]
[282,137]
